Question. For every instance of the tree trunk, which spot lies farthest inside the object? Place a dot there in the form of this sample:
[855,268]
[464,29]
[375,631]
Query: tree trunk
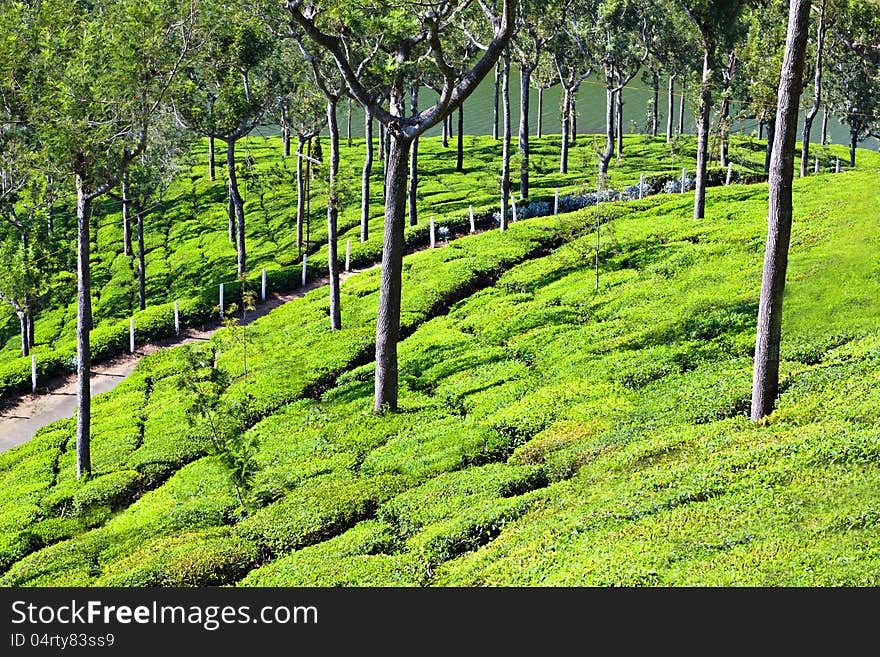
[230,211]
[724,115]
[505,154]
[765,384]
[496,101]
[348,125]
[572,116]
[670,109]
[566,108]
[771,135]
[212,174]
[445,133]
[388,322]
[459,162]
[332,215]
[681,108]
[813,110]
[237,204]
[126,217]
[83,326]
[703,135]
[142,263]
[540,112]
[825,125]
[30,329]
[760,128]
[525,83]
[655,114]
[387,144]
[300,192]
[619,119]
[853,144]
[365,177]
[605,156]
[382,144]
[285,131]
[25,343]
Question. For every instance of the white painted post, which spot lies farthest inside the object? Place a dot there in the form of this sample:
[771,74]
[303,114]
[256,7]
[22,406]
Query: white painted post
[347,255]
[556,202]
[683,179]
[221,300]
[33,373]
[263,286]
[176,318]
[131,335]
[305,259]
[433,240]
[729,173]
[473,225]
[816,170]
[837,166]
[641,186]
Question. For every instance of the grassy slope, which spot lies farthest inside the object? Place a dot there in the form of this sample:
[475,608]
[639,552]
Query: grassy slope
[550,434]
[187,249]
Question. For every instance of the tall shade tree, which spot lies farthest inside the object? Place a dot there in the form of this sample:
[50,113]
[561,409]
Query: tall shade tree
[410,29]
[718,26]
[765,384]
[89,95]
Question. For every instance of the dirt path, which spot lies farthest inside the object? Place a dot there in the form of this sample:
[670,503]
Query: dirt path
[19,422]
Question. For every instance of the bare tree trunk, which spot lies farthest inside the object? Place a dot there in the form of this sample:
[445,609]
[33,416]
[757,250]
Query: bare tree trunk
[566,108]
[619,119]
[496,100]
[724,115]
[765,384]
[771,135]
[670,109]
[211,165]
[572,116]
[230,211]
[681,104]
[655,114]
[853,144]
[365,177]
[382,143]
[83,326]
[30,328]
[703,135]
[285,130]
[387,144]
[825,125]
[237,204]
[525,84]
[332,216]
[142,263]
[25,343]
[413,162]
[300,192]
[445,133]
[459,162]
[605,157]
[505,155]
[810,116]
[388,322]
[540,112]
[348,125]
[126,216]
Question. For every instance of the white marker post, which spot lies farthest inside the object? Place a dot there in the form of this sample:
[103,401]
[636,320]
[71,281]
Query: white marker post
[556,202]
[263,286]
[33,373]
[816,170]
[347,255]
[433,239]
[176,318]
[837,166]
[641,186]
[684,173]
[305,259]
[473,225]
[131,335]
[729,173]
[513,208]
[221,300]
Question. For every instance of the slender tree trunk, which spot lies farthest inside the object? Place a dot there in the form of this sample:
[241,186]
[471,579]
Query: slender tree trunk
[300,193]
[382,143]
[413,162]
[761,128]
[25,344]
[813,110]
[30,329]
[540,112]
[388,321]
[348,125]
[445,133]
[724,115]
[681,105]
[212,173]
[765,384]
[387,145]
[126,216]
[605,157]
[505,155]
[142,262]
[230,211]
[566,108]
[332,215]
[459,162]
[365,177]
[285,130]
[525,84]
[83,326]
[237,204]
[670,109]
[853,144]
[619,119]
[655,114]
[824,125]
[703,135]
[572,116]
[496,100]
[771,135]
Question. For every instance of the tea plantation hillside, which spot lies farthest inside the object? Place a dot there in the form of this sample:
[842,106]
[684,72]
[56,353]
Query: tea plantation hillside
[188,253]
[549,432]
